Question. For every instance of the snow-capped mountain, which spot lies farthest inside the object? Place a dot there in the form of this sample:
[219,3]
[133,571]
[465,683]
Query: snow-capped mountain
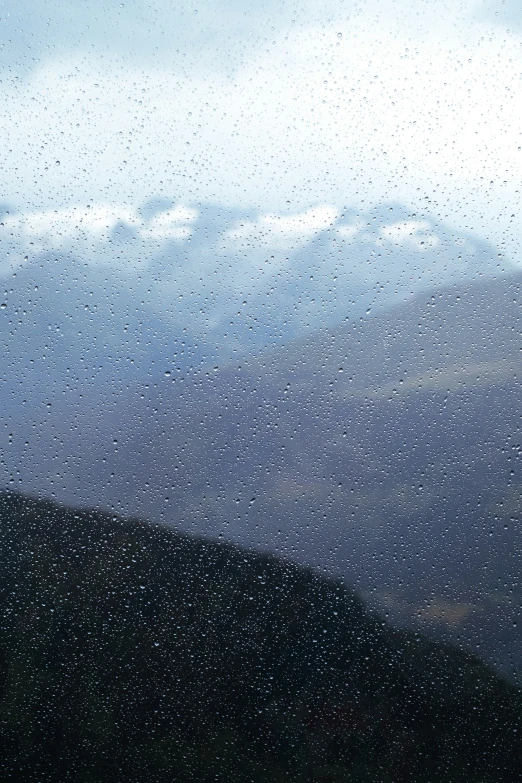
[112,292]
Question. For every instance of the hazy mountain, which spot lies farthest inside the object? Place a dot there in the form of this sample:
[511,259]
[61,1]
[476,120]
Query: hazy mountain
[386,449]
[101,295]
[133,653]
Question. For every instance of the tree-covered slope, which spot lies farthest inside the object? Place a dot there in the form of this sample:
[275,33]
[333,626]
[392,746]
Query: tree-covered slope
[132,653]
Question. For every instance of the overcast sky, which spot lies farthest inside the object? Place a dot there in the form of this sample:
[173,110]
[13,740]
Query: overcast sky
[279,106]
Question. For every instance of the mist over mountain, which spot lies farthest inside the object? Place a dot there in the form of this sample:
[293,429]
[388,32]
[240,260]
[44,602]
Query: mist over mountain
[386,449]
[104,295]
[260,432]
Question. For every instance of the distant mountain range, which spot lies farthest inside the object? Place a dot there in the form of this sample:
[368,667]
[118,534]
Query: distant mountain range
[101,294]
[129,652]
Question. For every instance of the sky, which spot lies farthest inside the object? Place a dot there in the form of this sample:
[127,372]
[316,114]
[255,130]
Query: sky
[275,107]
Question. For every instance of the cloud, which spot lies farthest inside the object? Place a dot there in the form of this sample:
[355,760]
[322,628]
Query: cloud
[351,106]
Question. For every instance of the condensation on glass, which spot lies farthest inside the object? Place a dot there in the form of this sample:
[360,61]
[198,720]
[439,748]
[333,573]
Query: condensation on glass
[260,446]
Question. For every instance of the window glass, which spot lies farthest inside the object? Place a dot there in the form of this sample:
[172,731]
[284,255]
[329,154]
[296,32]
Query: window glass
[260,439]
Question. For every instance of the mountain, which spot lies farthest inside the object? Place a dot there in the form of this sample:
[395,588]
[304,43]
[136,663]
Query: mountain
[401,472]
[131,652]
[105,295]
[385,448]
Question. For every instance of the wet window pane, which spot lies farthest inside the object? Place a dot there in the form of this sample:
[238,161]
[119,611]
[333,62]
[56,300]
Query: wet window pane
[260,435]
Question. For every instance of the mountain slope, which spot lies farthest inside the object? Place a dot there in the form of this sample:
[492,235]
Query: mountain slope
[402,472]
[130,652]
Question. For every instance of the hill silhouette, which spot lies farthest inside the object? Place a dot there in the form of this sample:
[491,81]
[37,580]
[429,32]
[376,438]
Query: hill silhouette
[130,652]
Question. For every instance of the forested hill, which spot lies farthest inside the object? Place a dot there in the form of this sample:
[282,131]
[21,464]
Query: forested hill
[132,653]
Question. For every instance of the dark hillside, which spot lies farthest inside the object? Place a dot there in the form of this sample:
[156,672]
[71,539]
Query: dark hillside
[132,653]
